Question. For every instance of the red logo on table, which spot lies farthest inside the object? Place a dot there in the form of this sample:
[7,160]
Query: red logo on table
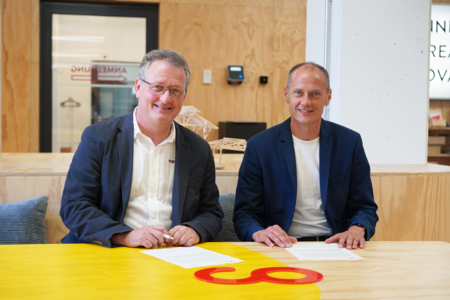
[259,275]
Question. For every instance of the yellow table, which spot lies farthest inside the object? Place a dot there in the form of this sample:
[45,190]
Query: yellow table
[391,270]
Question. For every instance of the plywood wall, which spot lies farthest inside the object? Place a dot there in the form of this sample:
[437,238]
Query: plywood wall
[267,37]
[20,79]
[413,207]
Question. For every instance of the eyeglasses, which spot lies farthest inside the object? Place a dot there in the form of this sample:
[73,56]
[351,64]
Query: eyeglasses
[159,89]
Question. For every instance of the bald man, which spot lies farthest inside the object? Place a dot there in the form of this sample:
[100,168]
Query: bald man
[305,179]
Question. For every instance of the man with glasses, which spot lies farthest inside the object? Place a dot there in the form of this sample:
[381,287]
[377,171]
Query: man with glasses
[142,179]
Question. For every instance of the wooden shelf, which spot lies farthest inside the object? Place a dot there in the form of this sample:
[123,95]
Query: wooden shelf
[439,128]
[439,155]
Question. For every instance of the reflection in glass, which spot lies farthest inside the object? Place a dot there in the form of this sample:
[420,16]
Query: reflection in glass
[95,63]
[109,103]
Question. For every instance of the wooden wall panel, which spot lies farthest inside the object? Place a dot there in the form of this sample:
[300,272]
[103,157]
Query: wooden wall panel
[296,4]
[266,36]
[266,41]
[289,50]
[376,185]
[228,35]
[15,189]
[414,208]
[16,19]
[226,184]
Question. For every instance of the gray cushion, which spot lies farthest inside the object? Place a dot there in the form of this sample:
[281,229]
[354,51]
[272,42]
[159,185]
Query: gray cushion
[227,233]
[23,222]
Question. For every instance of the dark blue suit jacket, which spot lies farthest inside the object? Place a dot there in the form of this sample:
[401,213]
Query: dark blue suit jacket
[267,186]
[98,184]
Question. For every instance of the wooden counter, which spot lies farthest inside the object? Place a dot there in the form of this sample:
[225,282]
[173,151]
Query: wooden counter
[390,270]
[57,164]
[35,164]
[413,200]
[232,163]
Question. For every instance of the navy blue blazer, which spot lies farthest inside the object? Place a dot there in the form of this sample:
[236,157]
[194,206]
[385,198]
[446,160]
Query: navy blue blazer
[267,186]
[98,184]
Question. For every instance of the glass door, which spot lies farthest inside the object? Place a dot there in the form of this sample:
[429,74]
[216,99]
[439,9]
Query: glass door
[93,62]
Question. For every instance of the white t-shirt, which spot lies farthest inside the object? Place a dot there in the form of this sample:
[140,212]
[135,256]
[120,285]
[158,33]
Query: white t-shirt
[309,219]
[150,200]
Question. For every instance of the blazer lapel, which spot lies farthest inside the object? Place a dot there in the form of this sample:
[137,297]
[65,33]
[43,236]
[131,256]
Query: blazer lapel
[288,150]
[182,158]
[125,141]
[325,160]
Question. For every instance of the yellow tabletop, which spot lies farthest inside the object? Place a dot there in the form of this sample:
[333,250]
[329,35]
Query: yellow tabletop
[391,270]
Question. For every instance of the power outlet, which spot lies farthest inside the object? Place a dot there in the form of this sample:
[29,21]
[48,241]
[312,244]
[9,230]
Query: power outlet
[207,76]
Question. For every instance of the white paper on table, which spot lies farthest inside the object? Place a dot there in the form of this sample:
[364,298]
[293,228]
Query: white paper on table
[191,257]
[322,252]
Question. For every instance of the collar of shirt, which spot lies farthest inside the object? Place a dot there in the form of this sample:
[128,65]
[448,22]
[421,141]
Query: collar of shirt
[146,139]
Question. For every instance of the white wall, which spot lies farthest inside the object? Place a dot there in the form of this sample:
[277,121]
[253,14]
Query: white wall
[379,67]
[315,31]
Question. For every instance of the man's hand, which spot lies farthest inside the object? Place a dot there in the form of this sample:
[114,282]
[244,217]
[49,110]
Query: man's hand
[147,236]
[183,236]
[353,237]
[274,234]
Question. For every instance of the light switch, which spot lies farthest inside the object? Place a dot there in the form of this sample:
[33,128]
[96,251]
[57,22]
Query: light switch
[207,76]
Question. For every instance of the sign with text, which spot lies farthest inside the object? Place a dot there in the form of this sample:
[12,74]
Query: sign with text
[99,73]
[440,52]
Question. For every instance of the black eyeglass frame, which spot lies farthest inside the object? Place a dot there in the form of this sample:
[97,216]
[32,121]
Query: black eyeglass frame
[165,89]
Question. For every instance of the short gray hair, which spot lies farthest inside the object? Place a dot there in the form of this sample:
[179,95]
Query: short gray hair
[311,64]
[171,56]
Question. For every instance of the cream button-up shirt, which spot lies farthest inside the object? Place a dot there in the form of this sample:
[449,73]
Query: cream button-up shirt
[150,200]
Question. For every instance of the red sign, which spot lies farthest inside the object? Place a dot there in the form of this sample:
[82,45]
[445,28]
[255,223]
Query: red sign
[259,275]
[99,73]
[97,78]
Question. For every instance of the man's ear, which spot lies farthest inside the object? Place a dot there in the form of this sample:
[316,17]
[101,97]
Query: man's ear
[329,97]
[137,87]
[286,94]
